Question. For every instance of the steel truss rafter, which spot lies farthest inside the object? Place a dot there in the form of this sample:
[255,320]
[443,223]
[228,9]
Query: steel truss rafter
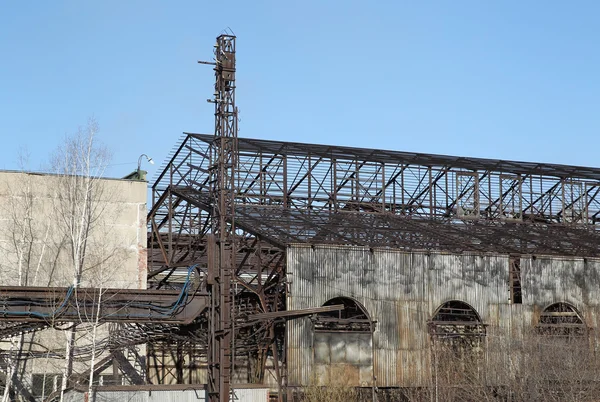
[304,185]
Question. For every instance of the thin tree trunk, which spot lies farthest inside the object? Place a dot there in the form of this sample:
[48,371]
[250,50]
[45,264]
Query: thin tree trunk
[68,362]
[15,350]
[91,396]
[13,365]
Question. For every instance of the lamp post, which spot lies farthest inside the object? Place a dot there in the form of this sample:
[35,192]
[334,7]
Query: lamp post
[141,174]
[149,159]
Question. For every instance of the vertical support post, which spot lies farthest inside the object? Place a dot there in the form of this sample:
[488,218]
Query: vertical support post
[310,178]
[383,188]
[170,217]
[222,172]
[285,183]
[430,189]
[334,187]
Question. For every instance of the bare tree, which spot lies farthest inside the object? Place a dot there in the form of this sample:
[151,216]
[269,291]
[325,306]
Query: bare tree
[26,249]
[61,231]
[79,164]
[104,260]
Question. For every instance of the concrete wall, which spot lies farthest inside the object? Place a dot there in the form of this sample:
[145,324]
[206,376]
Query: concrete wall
[34,238]
[401,291]
[35,247]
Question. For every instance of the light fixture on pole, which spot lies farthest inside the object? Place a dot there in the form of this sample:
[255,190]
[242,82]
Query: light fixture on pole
[149,159]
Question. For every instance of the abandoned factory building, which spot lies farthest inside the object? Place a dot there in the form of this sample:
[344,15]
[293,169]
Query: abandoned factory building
[420,250]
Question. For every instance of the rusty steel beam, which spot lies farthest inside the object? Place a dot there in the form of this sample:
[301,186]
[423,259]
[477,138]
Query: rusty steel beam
[222,193]
[424,184]
[289,314]
[55,305]
[127,368]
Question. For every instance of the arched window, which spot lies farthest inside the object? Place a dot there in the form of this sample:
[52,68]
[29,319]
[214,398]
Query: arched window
[457,323]
[342,344]
[352,318]
[561,319]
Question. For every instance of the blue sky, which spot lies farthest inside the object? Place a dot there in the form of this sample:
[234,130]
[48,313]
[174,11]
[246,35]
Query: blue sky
[508,80]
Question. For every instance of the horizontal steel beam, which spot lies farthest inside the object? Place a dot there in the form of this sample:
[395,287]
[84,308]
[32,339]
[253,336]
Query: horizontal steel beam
[53,305]
[291,314]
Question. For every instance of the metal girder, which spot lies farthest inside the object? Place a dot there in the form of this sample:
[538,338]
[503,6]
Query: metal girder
[223,187]
[127,368]
[55,305]
[294,313]
[83,378]
[320,177]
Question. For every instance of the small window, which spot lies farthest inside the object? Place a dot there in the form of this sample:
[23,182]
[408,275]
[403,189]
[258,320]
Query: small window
[514,277]
[110,379]
[43,385]
[2,381]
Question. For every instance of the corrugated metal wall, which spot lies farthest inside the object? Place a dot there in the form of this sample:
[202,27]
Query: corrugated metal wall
[251,395]
[347,354]
[401,291]
[141,396]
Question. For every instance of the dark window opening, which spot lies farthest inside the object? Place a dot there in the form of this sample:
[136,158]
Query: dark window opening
[43,385]
[514,275]
[352,318]
[457,324]
[110,379]
[561,319]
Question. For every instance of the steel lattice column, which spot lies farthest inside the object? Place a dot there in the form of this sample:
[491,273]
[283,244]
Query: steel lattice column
[222,180]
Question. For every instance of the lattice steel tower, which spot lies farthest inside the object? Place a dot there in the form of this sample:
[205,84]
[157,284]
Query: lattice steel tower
[222,176]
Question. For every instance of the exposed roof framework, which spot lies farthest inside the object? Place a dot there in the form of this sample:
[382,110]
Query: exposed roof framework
[302,193]
[288,193]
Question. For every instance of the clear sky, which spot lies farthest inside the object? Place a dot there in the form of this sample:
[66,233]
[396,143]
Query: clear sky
[505,79]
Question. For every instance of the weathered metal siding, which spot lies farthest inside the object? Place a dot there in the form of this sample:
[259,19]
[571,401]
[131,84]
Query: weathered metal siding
[143,396]
[348,355]
[251,395]
[192,395]
[556,279]
[332,274]
[401,291]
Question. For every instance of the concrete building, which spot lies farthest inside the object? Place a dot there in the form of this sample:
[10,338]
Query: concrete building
[34,238]
[40,215]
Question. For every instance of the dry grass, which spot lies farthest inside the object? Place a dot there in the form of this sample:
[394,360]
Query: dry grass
[334,388]
[533,368]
